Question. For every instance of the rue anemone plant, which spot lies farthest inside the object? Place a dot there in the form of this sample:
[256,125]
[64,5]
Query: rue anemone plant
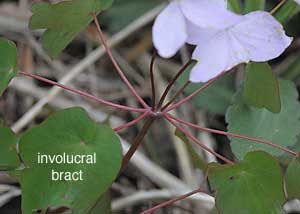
[263,120]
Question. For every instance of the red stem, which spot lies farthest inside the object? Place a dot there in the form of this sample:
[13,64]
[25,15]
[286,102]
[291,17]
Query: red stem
[116,65]
[189,135]
[152,81]
[131,123]
[232,135]
[83,94]
[172,201]
[206,85]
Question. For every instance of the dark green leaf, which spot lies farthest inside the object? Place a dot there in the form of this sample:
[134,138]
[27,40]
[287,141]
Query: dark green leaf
[253,186]
[216,98]
[103,205]
[8,63]
[292,179]
[281,129]
[71,132]
[287,11]
[235,6]
[261,87]
[252,5]
[64,21]
[8,149]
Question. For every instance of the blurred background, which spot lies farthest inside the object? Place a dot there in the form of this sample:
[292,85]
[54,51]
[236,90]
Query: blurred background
[164,163]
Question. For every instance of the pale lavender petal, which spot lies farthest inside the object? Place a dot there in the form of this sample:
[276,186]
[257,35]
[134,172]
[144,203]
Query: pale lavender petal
[297,1]
[221,3]
[198,35]
[208,14]
[212,59]
[262,36]
[169,30]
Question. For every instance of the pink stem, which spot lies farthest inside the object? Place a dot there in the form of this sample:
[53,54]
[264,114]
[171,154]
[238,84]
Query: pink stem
[189,135]
[131,123]
[116,65]
[206,85]
[172,201]
[232,135]
[84,94]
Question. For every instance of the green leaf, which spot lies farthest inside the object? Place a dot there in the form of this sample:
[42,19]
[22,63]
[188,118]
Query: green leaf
[8,149]
[63,21]
[8,63]
[281,129]
[69,132]
[292,179]
[235,5]
[197,161]
[261,87]
[215,98]
[253,186]
[252,5]
[124,8]
[103,205]
[287,11]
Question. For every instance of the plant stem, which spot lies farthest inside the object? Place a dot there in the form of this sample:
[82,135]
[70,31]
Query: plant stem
[83,94]
[172,201]
[137,142]
[179,92]
[168,88]
[152,80]
[131,123]
[189,135]
[278,6]
[232,135]
[206,85]
[116,65]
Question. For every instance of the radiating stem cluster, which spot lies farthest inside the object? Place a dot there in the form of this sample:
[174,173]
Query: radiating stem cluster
[160,110]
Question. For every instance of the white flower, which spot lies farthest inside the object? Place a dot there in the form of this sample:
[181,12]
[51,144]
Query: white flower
[223,39]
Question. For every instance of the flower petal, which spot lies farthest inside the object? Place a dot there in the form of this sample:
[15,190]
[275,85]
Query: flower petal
[198,35]
[262,36]
[169,30]
[212,59]
[209,14]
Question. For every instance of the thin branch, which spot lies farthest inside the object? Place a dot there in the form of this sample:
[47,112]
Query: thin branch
[178,93]
[172,82]
[172,201]
[137,142]
[206,85]
[83,94]
[116,65]
[84,63]
[189,135]
[152,80]
[131,123]
[232,135]
[278,6]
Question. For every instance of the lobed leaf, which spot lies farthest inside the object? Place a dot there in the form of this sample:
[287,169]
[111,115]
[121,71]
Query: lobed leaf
[292,179]
[261,87]
[253,186]
[281,129]
[9,158]
[63,21]
[72,132]
[8,63]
